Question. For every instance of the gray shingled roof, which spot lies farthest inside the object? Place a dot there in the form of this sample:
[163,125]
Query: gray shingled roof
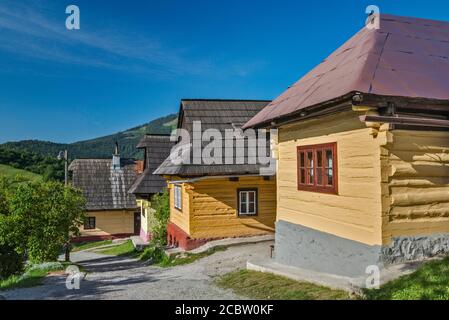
[216,114]
[157,149]
[104,187]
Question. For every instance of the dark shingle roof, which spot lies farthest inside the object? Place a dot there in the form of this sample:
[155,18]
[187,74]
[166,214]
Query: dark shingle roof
[157,149]
[406,57]
[214,114]
[104,187]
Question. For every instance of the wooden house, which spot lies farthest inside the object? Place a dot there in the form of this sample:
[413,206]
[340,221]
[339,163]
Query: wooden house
[214,201]
[156,149]
[363,152]
[112,211]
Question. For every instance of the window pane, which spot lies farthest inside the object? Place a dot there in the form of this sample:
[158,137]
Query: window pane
[252,196]
[303,176]
[252,208]
[243,208]
[330,178]
[311,176]
[301,159]
[319,158]
[243,197]
[319,177]
[310,159]
[329,159]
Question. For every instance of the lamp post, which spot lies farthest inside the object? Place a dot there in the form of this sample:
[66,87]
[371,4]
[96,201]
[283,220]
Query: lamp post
[63,155]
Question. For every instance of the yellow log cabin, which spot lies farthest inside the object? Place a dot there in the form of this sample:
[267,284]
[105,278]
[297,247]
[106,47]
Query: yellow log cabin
[363,153]
[220,199]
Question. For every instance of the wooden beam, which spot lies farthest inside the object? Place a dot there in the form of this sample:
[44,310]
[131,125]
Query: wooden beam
[406,121]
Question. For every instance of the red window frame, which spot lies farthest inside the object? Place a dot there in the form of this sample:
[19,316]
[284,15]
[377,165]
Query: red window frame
[314,172]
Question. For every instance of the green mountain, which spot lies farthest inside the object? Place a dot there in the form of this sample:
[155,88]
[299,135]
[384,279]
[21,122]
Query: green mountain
[102,147]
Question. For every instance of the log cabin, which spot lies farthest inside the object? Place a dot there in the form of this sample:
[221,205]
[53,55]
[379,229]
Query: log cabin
[156,149]
[112,211]
[363,152]
[217,200]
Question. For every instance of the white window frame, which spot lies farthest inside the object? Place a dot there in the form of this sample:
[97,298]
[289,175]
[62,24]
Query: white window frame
[177,197]
[247,212]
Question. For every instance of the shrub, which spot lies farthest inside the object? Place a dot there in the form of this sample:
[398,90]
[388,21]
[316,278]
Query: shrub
[155,253]
[10,262]
[160,204]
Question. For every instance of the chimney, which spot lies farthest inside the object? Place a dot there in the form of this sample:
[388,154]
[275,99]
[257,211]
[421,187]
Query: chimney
[116,158]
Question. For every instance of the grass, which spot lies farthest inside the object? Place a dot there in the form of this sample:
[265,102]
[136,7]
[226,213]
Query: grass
[258,285]
[186,258]
[124,249]
[89,245]
[11,173]
[31,277]
[430,282]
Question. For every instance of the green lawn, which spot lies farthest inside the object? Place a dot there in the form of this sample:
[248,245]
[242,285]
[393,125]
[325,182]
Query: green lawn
[11,173]
[32,277]
[89,245]
[430,282]
[124,249]
[258,285]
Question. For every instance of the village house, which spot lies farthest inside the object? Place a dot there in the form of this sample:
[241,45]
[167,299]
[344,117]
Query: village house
[217,200]
[156,149]
[112,211]
[363,152]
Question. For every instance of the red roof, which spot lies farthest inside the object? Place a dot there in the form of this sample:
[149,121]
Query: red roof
[406,57]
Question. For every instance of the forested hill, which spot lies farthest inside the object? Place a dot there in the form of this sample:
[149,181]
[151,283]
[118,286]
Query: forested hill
[100,147]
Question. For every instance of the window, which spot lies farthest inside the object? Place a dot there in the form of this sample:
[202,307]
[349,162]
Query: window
[247,202]
[178,197]
[317,168]
[89,223]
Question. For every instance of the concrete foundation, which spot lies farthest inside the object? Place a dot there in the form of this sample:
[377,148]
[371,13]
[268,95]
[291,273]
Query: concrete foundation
[302,247]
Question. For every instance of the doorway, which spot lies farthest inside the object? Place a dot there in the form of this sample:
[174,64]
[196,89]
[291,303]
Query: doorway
[137,221]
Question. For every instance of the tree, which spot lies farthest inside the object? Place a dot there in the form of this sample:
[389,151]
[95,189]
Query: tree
[11,262]
[43,217]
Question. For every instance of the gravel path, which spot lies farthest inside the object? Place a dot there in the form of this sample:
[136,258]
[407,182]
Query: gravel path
[121,278]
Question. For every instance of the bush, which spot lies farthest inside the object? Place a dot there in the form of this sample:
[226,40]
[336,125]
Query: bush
[155,253]
[10,262]
[160,203]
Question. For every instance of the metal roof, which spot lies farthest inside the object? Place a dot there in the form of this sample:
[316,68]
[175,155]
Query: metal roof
[406,57]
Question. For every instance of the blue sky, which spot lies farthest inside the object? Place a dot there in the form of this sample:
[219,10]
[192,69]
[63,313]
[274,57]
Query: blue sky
[132,61]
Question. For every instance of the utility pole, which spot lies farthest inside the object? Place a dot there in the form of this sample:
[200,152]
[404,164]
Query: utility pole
[63,155]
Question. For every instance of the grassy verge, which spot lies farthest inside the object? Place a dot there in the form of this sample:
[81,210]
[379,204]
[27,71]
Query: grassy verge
[89,245]
[124,249]
[258,285]
[33,276]
[158,256]
[186,258]
[430,282]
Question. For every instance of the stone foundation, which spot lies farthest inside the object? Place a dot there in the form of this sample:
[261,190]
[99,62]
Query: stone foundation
[307,248]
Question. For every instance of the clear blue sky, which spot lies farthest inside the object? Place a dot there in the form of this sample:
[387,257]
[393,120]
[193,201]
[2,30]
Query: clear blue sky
[132,61]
